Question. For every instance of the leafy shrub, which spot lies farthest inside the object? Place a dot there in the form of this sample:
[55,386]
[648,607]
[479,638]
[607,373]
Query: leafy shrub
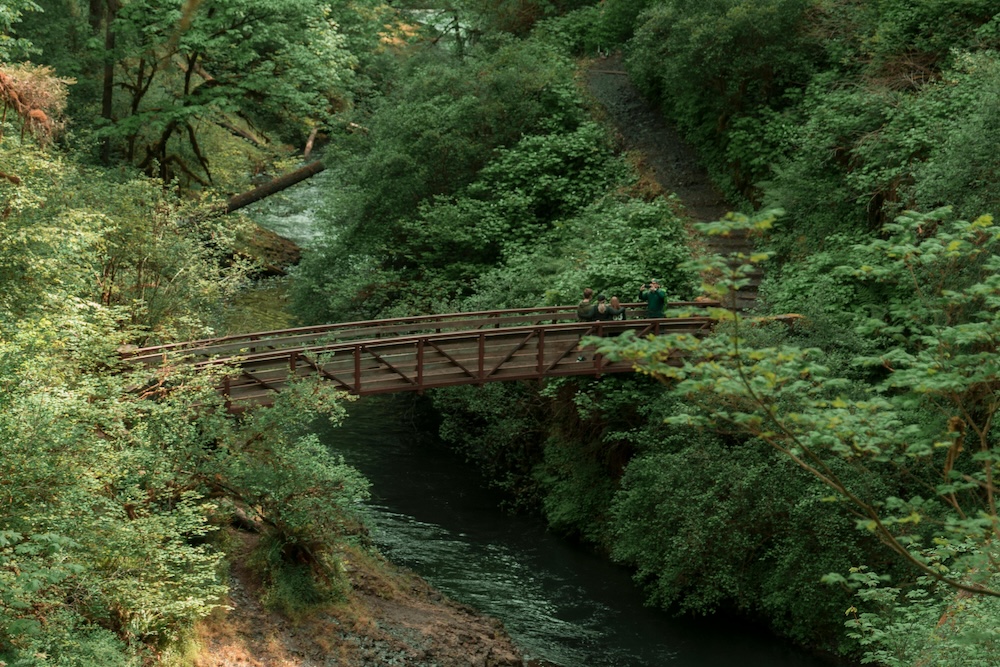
[426,146]
[915,38]
[580,31]
[898,626]
[558,173]
[292,587]
[499,427]
[576,488]
[960,169]
[691,518]
[819,184]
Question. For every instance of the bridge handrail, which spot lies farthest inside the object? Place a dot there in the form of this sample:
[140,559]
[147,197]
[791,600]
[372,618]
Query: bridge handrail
[284,338]
[674,325]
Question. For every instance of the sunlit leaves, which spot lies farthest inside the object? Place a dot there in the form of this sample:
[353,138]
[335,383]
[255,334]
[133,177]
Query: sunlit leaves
[113,484]
[13,47]
[223,65]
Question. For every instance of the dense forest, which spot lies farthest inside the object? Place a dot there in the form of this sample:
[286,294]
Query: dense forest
[834,478]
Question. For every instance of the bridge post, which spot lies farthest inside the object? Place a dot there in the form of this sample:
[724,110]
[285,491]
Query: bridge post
[598,359]
[292,358]
[420,366]
[357,370]
[482,357]
[225,392]
[541,352]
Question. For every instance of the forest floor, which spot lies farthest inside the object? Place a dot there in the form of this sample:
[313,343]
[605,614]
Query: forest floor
[392,617]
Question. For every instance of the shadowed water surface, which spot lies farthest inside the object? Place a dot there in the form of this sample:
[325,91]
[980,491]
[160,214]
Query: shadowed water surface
[431,512]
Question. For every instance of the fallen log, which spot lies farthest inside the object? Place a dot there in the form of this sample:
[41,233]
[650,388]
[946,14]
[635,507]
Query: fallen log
[237,202]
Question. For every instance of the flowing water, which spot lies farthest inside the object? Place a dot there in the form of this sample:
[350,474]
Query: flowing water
[432,512]
[294,212]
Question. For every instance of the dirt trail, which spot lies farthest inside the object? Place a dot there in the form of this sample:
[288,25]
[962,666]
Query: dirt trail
[668,159]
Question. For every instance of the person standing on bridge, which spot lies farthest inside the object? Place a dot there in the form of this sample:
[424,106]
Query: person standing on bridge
[606,312]
[586,309]
[655,298]
[618,308]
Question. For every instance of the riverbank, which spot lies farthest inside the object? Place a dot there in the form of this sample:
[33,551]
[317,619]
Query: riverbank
[390,617]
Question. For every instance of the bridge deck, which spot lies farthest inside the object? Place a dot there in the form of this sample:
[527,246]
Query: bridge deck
[414,353]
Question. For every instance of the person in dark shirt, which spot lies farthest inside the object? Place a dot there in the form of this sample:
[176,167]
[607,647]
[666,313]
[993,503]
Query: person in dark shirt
[655,298]
[585,309]
[604,311]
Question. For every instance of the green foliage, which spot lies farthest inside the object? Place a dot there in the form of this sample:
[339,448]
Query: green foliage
[896,111]
[114,480]
[517,17]
[292,587]
[506,449]
[594,29]
[814,184]
[691,518]
[900,118]
[112,490]
[558,174]
[593,426]
[99,551]
[580,31]
[14,48]
[515,200]
[451,184]
[578,488]
[617,245]
[960,168]
[709,63]
[114,242]
[832,305]
[925,32]
[612,247]
[194,82]
[926,624]
[937,321]
[427,140]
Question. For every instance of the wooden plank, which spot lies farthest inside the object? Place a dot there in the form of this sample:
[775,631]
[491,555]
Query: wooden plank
[511,353]
[385,361]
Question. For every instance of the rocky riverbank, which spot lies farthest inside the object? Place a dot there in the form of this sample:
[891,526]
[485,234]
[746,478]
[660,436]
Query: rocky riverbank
[390,617]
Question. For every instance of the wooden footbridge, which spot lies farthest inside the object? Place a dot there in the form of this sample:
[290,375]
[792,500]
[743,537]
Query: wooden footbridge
[416,353]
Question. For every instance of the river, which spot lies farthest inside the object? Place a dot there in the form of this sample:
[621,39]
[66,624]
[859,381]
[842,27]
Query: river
[432,512]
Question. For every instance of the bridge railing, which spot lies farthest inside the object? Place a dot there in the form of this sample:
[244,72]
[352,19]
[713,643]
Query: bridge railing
[301,337]
[430,360]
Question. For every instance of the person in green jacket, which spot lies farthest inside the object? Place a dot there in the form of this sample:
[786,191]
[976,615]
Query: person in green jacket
[655,298]
[585,309]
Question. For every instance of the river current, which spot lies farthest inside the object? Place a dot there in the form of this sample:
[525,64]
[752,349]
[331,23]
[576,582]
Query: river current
[432,512]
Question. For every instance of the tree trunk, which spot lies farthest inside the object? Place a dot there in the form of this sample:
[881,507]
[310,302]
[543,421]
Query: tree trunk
[277,185]
[109,74]
[96,15]
[310,140]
